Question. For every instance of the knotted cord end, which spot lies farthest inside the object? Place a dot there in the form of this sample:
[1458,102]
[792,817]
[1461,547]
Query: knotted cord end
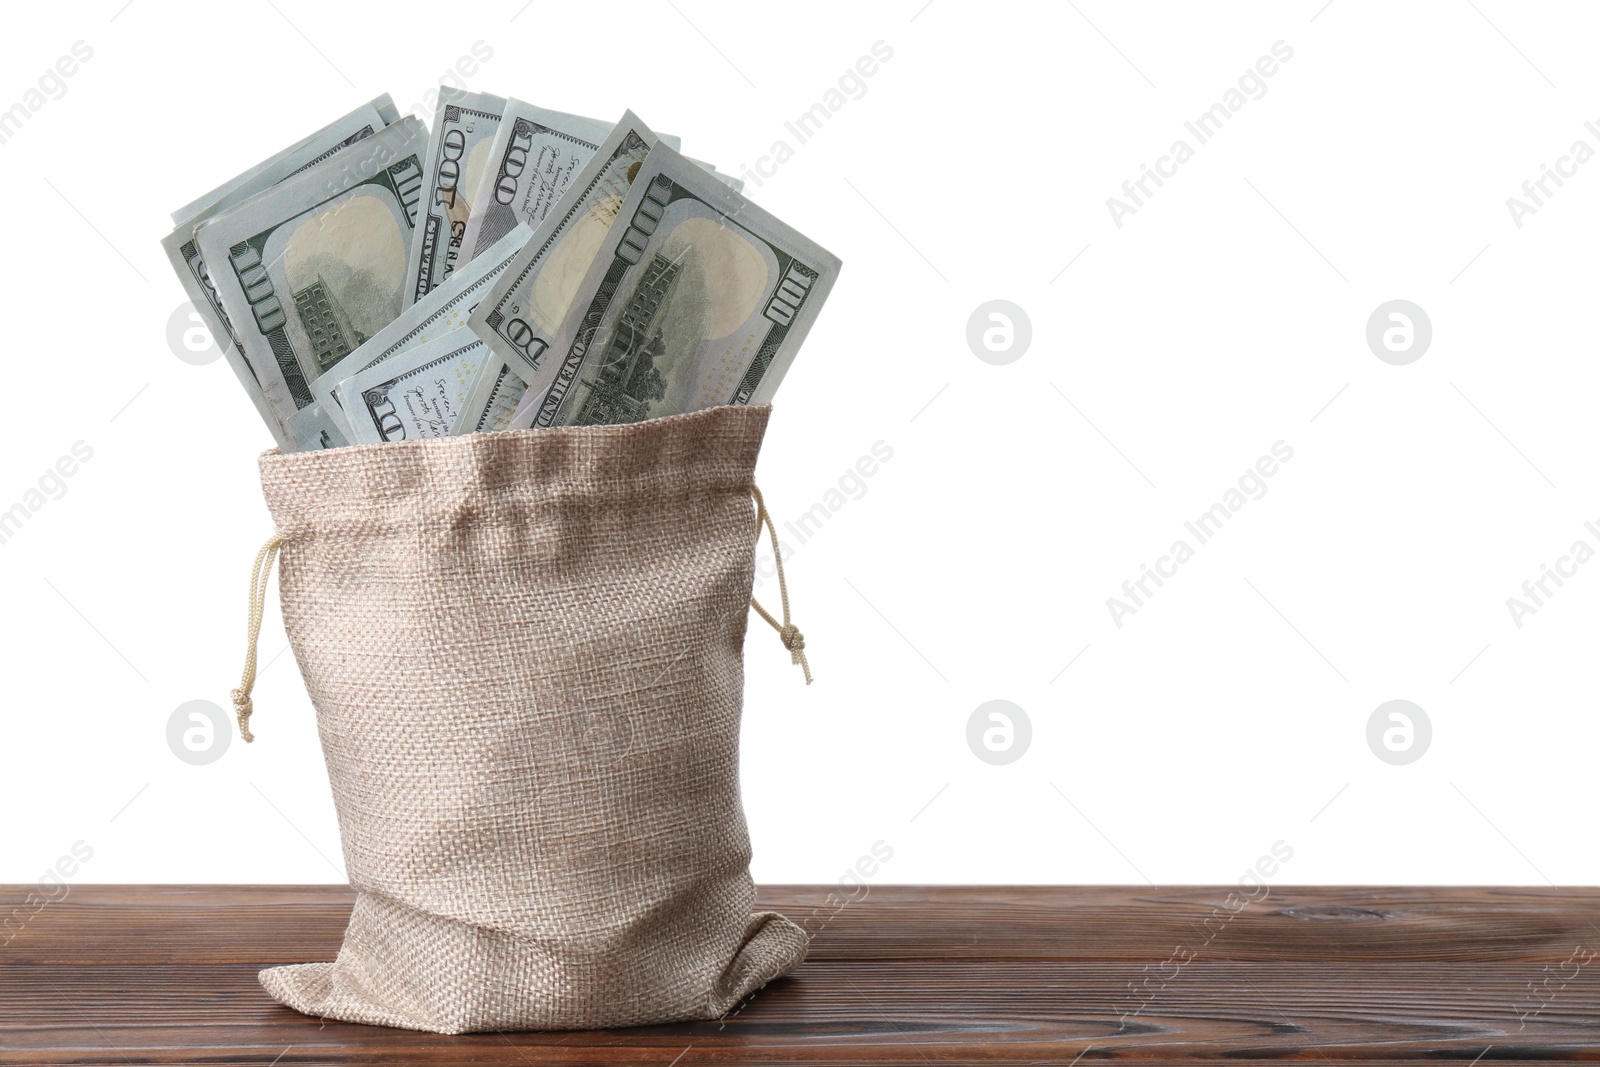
[795,642]
[259,574]
[242,709]
[788,632]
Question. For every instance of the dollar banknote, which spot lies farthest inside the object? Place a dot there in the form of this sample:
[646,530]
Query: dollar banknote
[190,266]
[520,313]
[417,394]
[535,154]
[311,268]
[696,298]
[529,300]
[464,127]
[440,312]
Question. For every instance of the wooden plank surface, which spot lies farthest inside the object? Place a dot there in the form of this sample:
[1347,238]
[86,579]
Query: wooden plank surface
[166,974]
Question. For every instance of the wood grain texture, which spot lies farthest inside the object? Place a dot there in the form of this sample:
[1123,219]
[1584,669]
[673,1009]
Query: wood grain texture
[166,974]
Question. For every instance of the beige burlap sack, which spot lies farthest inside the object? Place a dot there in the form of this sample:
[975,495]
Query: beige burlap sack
[525,654]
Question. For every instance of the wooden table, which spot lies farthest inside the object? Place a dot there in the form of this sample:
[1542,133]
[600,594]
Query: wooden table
[914,975]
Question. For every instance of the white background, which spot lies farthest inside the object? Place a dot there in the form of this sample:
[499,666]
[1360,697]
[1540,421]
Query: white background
[1227,314]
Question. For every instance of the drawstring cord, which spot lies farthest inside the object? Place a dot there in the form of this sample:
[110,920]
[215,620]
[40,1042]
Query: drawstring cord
[258,596]
[788,632]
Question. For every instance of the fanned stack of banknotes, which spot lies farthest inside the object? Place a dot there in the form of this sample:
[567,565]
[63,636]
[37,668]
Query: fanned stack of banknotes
[515,267]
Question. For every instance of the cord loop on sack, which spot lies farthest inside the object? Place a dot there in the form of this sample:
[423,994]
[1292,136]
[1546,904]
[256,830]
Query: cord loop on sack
[259,574]
[788,632]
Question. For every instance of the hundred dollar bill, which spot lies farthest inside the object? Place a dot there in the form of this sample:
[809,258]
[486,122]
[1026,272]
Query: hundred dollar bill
[534,155]
[311,268]
[190,266]
[464,127]
[547,270]
[417,394]
[440,312]
[697,298]
[529,301]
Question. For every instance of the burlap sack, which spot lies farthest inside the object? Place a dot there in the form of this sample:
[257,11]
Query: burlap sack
[525,653]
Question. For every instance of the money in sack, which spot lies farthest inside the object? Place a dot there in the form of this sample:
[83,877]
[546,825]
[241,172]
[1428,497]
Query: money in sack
[525,650]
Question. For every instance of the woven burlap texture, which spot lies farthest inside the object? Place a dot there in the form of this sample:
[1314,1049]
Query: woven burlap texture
[525,650]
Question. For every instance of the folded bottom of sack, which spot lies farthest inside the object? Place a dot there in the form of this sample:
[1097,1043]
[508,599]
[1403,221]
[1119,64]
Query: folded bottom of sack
[403,967]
